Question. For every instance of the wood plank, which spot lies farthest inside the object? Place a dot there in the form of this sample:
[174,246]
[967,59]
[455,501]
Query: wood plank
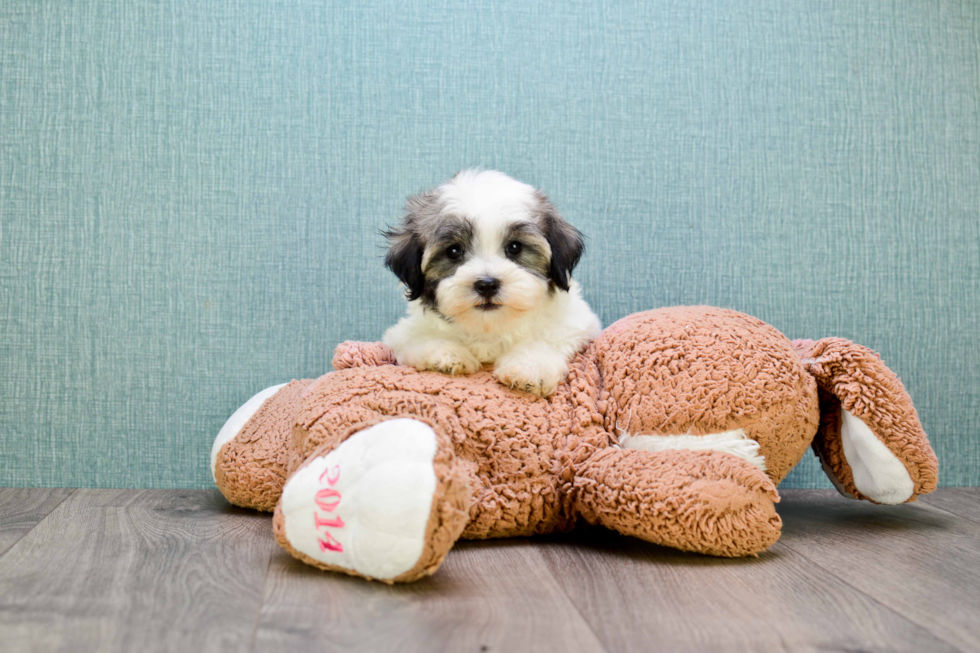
[181,570]
[642,597]
[919,560]
[488,596]
[961,501]
[130,570]
[22,508]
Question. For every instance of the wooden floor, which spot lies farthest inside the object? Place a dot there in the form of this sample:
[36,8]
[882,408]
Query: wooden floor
[148,570]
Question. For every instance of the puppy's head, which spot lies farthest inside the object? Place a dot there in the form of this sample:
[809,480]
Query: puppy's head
[483,249]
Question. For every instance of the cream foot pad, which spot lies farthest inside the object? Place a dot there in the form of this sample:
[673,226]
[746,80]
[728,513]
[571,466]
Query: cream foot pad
[365,506]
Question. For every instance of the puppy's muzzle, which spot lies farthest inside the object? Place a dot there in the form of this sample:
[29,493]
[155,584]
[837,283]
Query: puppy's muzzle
[486,287]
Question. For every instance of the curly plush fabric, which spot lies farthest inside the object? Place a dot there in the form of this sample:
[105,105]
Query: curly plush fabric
[447,517]
[514,464]
[701,501]
[701,370]
[853,377]
[251,468]
[351,353]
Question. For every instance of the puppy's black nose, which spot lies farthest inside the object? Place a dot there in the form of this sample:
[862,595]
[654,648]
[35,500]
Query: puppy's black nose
[486,287]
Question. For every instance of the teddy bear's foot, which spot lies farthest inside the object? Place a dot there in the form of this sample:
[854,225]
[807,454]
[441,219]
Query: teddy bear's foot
[704,501]
[387,503]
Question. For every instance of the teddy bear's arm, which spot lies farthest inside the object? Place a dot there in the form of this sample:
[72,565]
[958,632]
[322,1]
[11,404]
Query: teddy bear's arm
[352,353]
[702,501]
[870,441]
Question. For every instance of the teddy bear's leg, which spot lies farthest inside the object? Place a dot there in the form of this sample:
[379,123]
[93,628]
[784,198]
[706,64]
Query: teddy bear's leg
[703,501]
[870,441]
[387,503]
[250,455]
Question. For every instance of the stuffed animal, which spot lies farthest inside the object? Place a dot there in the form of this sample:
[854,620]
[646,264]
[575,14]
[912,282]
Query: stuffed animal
[674,426]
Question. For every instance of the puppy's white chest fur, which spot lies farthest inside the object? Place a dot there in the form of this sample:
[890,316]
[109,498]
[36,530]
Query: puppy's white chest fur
[531,354]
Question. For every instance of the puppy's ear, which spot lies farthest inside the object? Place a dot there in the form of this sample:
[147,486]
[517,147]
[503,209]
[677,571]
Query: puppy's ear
[406,246]
[404,258]
[567,243]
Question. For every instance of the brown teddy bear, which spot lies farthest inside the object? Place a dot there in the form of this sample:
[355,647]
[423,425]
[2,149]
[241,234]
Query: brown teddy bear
[674,426]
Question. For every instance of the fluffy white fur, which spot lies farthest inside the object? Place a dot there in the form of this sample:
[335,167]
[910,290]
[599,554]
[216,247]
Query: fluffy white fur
[530,348]
[532,333]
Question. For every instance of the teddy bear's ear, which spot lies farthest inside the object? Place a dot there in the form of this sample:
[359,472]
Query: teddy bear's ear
[870,441]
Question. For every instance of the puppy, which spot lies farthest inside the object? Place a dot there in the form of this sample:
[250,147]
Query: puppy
[487,262]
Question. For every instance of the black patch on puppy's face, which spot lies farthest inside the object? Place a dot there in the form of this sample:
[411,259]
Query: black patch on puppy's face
[531,248]
[427,248]
[448,245]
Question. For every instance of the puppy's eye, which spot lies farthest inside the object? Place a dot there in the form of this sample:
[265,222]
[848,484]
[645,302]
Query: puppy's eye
[454,252]
[514,248]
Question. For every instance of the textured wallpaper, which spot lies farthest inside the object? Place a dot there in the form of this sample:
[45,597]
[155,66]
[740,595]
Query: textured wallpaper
[191,192]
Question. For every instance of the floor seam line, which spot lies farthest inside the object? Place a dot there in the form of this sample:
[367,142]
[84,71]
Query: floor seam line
[547,567]
[872,598]
[71,493]
[265,582]
[925,502]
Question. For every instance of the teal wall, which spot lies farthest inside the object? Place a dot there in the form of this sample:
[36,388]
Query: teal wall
[191,190]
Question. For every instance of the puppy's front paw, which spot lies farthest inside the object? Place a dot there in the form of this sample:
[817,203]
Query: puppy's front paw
[529,373]
[448,358]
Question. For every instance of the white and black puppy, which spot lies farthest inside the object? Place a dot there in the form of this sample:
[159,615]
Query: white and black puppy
[488,263]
